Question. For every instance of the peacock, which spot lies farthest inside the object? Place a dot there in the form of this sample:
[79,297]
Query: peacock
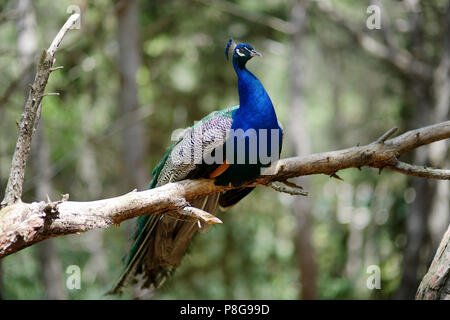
[231,137]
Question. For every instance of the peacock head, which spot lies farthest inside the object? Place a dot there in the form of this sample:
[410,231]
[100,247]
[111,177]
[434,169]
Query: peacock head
[242,52]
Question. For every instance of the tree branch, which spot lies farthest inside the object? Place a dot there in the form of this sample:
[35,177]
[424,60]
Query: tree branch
[436,283]
[253,16]
[31,112]
[23,224]
[400,59]
[419,171]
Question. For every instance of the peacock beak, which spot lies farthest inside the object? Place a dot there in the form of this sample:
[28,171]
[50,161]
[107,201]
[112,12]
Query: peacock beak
[255,53]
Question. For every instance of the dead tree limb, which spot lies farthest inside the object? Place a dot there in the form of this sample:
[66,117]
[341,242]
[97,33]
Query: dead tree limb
[31,112]
[23,224]
[436,283]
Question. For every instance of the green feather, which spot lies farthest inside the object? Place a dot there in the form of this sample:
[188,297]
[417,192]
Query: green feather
[146,224]
[227,113]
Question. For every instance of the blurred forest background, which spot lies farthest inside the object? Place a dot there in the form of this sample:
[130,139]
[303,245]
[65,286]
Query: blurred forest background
[137,70]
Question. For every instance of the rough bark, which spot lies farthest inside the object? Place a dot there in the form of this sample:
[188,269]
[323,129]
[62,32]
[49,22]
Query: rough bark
[31,112]
[435,284]
[1,283]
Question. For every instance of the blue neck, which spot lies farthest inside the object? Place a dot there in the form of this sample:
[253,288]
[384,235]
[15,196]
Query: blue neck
[255,107]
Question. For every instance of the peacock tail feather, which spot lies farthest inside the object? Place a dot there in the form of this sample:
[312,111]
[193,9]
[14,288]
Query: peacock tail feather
[152,254]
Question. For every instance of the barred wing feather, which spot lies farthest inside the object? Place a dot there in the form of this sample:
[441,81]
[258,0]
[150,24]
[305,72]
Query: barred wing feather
[161,240]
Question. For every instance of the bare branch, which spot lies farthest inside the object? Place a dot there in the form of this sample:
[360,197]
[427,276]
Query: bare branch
[57,40]
[56,68]
[373,155]
[22,224]
[256,17]
[202,215]
[31,111]
[288,187]
[387,135]
[419,171]
[399,58]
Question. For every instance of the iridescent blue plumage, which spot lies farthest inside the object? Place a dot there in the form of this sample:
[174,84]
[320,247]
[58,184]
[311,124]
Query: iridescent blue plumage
[255,111]
[227,47]
[161,240]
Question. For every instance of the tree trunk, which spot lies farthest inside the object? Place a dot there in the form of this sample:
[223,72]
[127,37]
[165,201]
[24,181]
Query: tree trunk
[48,257]
[96,267]
[1,282]
[50,264]
[51,271]
[134,139]
[436,283]
[300,142]
[420,208]
[440,212]
[133,136]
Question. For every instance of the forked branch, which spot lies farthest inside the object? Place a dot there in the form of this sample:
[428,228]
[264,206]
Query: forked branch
[23,224]
[31,115]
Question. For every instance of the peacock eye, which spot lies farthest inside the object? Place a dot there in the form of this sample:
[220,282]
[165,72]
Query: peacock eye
[240,52]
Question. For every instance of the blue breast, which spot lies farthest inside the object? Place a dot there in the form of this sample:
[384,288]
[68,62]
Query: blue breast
[255,112]
[255,107]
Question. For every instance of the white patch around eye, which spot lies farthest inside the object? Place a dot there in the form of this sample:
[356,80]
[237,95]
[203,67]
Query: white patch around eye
[238,51]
